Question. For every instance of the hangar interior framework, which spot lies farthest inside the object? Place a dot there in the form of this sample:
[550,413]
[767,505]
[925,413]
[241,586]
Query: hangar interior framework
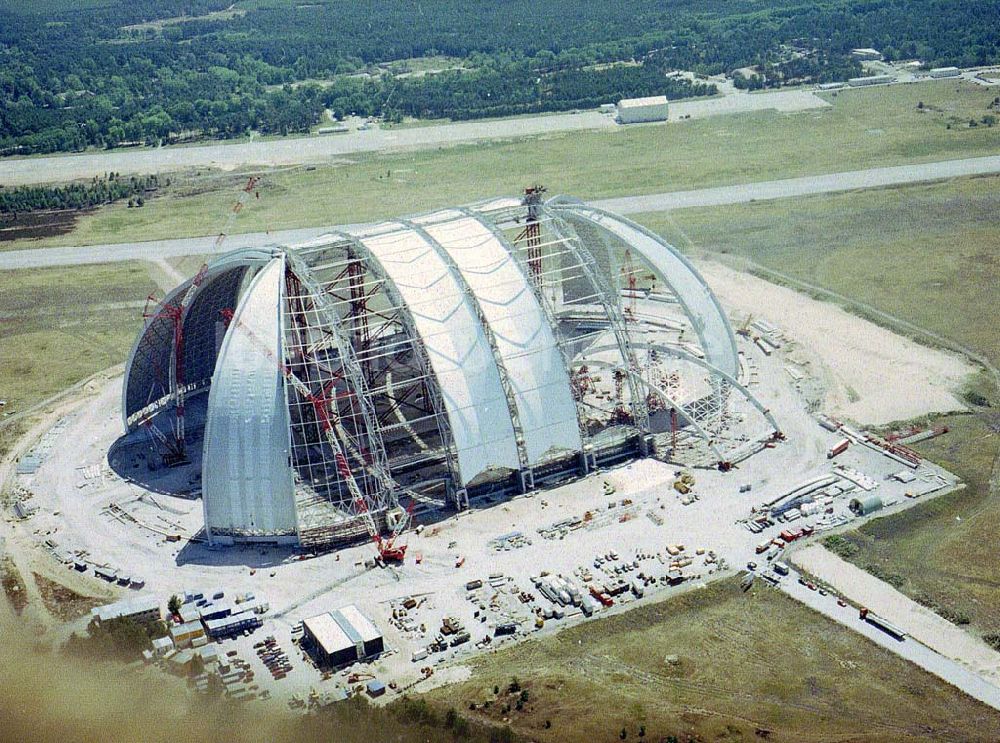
[468,352]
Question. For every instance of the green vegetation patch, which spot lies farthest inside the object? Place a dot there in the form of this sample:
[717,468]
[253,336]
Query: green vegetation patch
[926,253]
[719,664]
[60,325]
[617,161]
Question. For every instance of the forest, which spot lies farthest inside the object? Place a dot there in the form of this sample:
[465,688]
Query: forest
[78,195]
[76,74]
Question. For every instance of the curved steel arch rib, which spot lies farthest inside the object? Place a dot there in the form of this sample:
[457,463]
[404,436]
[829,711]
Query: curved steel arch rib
[691,290]
[154,344]
[664,397]
[531,368]
[456,346]
[406,319]
[720,380]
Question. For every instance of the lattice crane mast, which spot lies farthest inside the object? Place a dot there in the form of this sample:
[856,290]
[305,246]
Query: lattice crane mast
[334,433]
[174,314]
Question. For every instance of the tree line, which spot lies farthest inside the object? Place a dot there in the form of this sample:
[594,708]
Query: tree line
[78,75]
[78,195]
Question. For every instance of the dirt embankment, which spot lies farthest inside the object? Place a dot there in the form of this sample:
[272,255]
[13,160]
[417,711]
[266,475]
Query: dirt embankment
[36,225]
[872,375]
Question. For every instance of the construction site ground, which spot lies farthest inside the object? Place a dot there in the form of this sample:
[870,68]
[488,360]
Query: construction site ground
[86,512]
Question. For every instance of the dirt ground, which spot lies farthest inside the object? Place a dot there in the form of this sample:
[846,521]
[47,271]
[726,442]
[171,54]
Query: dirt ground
[63,603]
[39,224]
[872,375]
[920,622]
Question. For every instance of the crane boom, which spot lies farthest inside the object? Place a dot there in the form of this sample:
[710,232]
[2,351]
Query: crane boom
[335,434]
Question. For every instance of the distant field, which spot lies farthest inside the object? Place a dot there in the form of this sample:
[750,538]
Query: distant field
[927,254]
[58,326]
[750,666]
[863,128]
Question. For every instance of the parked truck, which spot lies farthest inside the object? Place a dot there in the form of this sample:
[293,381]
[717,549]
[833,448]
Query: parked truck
[839,448]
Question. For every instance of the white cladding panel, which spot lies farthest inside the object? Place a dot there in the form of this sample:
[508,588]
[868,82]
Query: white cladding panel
[457,349]
[527,348]
[247,480]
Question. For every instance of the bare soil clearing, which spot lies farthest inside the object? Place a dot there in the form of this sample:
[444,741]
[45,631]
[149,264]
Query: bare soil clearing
[873,375]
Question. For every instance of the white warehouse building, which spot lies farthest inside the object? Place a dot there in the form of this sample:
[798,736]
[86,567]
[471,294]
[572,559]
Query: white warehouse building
[640,110]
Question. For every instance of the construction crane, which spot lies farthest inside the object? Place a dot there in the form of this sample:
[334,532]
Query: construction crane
[334,433]
[628,270]
[532,233]
[174,314]
[744,329]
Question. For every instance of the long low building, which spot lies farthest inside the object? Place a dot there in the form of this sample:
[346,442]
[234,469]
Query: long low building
[232,624]
[639,110]
[341,637]
[140,609]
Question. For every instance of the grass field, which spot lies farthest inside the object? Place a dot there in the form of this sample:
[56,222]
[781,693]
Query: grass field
[943,553]
[930,255]
[927,253]
[59,325]
[749,666]
[863,128]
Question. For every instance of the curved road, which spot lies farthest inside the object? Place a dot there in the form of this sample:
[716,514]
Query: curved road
[786,188]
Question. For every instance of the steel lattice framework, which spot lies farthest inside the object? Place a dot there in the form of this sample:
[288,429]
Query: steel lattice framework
[485,348]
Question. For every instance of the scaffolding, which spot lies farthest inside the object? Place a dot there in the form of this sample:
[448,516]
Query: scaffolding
[473,350]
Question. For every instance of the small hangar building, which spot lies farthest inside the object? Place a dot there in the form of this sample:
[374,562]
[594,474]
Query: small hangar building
[339,638]
[640,110]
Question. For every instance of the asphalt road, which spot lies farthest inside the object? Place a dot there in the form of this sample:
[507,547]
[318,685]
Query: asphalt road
[324,148]
[944,668]
[829,183]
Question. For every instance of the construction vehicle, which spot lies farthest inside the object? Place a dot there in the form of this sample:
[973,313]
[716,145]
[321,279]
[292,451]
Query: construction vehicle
[334,433]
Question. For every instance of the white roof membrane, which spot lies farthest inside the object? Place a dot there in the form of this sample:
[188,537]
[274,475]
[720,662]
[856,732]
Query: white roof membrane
[457,349]
[524,341]
[247,483]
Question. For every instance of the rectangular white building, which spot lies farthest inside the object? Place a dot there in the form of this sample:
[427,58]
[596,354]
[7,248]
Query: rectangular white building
[945,72]
[639,110]
[141,609]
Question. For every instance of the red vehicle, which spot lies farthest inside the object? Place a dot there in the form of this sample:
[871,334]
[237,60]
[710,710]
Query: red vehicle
[601,596]
[839,448]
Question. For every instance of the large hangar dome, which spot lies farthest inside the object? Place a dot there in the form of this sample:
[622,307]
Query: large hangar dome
[466,353]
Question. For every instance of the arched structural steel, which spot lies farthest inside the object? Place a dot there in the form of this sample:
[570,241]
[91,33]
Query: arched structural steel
[469,350]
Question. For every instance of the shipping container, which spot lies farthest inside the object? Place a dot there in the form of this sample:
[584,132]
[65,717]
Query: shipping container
[839,448]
